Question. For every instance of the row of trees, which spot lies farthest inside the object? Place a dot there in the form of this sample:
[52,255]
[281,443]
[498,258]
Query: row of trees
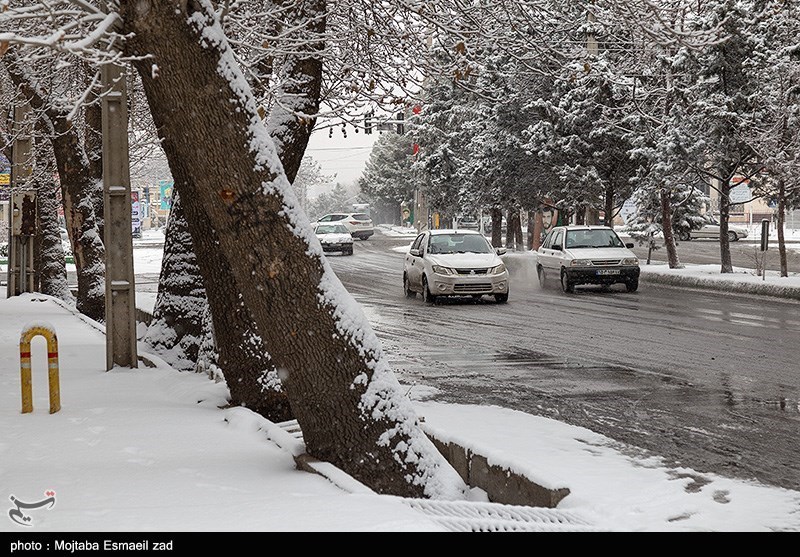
[612,111]
[232,91]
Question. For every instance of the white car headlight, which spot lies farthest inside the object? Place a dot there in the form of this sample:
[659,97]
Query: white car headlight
[498,270]
[581,263]
[630,261]
[439,270]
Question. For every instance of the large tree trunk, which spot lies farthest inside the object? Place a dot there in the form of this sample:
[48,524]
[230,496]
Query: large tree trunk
[511,220]
[77,186]
[241,354]
[176,328]
[666,227]
[781,218]
[497,227]
[52,265]
[608,207]
[236,350]
[515,229]
[726,264]
[347,401]
[93,141]
[533,228]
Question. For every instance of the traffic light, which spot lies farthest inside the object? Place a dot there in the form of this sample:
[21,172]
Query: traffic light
[368,124]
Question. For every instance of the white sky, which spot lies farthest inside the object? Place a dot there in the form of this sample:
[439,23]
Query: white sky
[343,156]
[152,450]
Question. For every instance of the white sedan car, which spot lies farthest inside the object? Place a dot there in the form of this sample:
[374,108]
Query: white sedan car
[334,237]
[451,262]
[711,230]
[586,254]
[359,224]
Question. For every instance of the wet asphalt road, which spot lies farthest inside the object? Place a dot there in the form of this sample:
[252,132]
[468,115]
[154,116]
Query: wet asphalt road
[709,381]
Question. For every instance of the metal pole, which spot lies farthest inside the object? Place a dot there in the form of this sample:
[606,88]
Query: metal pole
[120,290]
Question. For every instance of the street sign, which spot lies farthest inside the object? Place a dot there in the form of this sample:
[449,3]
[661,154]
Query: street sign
[740,193]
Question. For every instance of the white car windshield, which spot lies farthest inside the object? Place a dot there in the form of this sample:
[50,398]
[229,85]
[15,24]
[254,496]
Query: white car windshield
[593,238]
[458,243]
[331,229]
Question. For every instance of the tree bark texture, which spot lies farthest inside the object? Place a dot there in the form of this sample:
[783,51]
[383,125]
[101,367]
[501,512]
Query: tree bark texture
[176,328]
[510,223]
[608,207]
[348,403]
[241,355]
[781,219]
[532,225]
[52,265]
[497,227]
[666,227]
[76,192]
[726,264]
[93,141]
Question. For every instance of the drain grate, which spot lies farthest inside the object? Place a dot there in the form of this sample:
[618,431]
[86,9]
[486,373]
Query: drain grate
[470,516]
[479,516]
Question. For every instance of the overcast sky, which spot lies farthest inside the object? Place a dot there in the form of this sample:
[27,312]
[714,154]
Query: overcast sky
[343,156]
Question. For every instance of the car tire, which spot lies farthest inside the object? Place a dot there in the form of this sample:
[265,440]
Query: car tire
[407,288]
[685,236]
[501,298]
[632,285]
[426,292]
[566,284]
[542,276]
[732,237]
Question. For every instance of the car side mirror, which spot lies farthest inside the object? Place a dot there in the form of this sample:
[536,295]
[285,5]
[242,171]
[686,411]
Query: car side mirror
[629,245]
[500,251]
[414,252]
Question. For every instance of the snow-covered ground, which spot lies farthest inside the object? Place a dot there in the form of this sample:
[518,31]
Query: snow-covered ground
[154,449]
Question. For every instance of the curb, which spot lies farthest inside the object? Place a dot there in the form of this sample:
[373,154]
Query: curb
[523,264]
[775,291]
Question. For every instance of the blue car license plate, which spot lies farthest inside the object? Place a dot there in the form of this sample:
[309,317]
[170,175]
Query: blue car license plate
[608,272]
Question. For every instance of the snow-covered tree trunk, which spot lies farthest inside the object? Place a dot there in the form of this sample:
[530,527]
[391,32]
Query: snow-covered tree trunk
[52,265]
[497,226]
[240,354]
[77,189]
[176,328]
[781,219]
[531,239]
[237,350]
[726,264]
[608,206]
[93,141]
[667,229]
[511,221]
[346,399]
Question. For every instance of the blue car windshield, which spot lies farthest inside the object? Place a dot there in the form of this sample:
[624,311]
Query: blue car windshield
[594,238]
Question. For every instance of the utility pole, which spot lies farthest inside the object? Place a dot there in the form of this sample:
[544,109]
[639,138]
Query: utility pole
[22,209]
[120,291]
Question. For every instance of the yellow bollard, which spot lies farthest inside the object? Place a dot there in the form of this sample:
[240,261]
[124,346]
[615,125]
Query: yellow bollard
[52,364]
